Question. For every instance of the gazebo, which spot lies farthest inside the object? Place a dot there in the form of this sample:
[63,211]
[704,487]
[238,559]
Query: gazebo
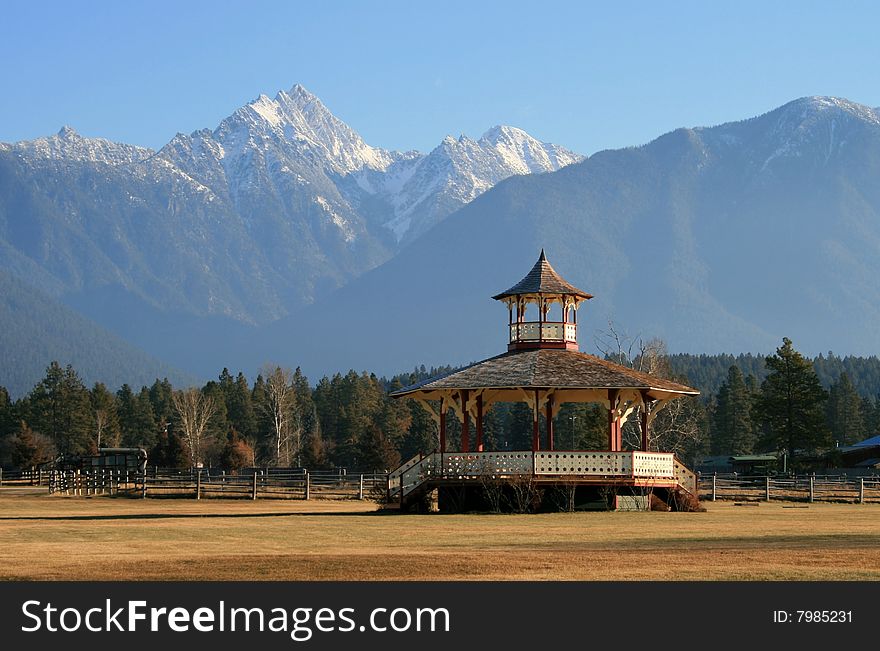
[544,369]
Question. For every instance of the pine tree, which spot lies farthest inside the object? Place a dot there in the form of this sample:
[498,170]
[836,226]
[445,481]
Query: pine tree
[137,423]
[792,403]
[59,407]
[845,412]
[732,429]
[8,414]
[240,407]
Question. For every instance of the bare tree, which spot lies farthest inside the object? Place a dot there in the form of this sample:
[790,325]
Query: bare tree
[287,431]
[101,418]
[676,427]
[194,409]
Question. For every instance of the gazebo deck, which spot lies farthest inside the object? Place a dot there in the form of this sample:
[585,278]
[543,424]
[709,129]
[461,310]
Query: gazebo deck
[569,467]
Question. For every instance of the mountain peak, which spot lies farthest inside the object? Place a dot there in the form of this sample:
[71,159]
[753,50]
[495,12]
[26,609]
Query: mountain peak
[503,132]
[811,107]
[67,132]
[298,90]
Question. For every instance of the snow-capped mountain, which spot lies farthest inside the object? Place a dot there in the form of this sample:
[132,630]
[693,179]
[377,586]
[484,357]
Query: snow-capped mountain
[422,190]
[724,238]
[293,142]
[280,203]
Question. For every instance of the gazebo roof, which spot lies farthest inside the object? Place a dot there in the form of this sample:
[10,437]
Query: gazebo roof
[543,279]
[547,369]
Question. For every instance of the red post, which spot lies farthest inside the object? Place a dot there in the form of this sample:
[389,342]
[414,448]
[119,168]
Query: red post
[644,421]
[465,423]
[480,423]
[536,434]
[442,424]
[612,420]
[550,424]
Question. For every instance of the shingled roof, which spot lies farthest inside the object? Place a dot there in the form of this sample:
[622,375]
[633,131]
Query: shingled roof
[547,369]
[543,279]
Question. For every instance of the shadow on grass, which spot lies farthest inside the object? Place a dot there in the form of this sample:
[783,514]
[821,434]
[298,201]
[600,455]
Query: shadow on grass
[178,516]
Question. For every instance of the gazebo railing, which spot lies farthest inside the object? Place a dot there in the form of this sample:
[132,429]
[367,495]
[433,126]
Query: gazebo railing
[543,331]
[596,463]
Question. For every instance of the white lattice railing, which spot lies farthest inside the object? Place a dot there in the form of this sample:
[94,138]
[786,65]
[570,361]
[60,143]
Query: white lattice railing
[654,464]
[464,465]
[583,463]
[543,330]
[478,464]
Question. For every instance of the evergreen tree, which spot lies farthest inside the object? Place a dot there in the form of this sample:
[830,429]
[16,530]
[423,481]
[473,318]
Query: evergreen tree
[845,412]
[871,416]
[312,452]
[137,423]
[792,403]
[160,401]
[59,407]
[239,406]
[519,427]
[8,414]
[376,451]
[421,437]
[732,429]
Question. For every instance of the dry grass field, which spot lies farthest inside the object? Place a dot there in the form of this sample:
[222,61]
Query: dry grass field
[43,537]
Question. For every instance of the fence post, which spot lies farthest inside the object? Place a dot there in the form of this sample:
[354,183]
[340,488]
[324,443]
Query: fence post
[254,491]
[1,476]
[40,477]
[714,479]
[861,490]
[307,486]
[812,489]
[198,484]
[361,488]
[144,485]
[401,490]
[767,488]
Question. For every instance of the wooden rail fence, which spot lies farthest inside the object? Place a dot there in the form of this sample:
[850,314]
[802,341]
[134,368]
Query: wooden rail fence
[201,483]
[800,488]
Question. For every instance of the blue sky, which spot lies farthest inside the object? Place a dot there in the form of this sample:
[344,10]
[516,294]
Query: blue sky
[588,76]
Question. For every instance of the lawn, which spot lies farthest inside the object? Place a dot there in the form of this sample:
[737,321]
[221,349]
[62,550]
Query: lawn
[43,537]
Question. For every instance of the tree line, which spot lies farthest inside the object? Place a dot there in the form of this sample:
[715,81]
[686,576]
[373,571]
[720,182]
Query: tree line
[350,421]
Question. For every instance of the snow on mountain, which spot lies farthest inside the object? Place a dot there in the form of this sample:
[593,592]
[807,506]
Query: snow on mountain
[294,144]
[425,189]
[251,220]
[68,145]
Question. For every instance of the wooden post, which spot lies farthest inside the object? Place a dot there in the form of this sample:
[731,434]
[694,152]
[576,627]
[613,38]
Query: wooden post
[714,484]
[1,476]
[549,417]
[401,490]
[144,485]
[361,488]
[644,421]
[479,441]
[812,488]
[861,490]
[308,487]
[767,488]
[612,420]
[465,422]
[254,489]
[198,484]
